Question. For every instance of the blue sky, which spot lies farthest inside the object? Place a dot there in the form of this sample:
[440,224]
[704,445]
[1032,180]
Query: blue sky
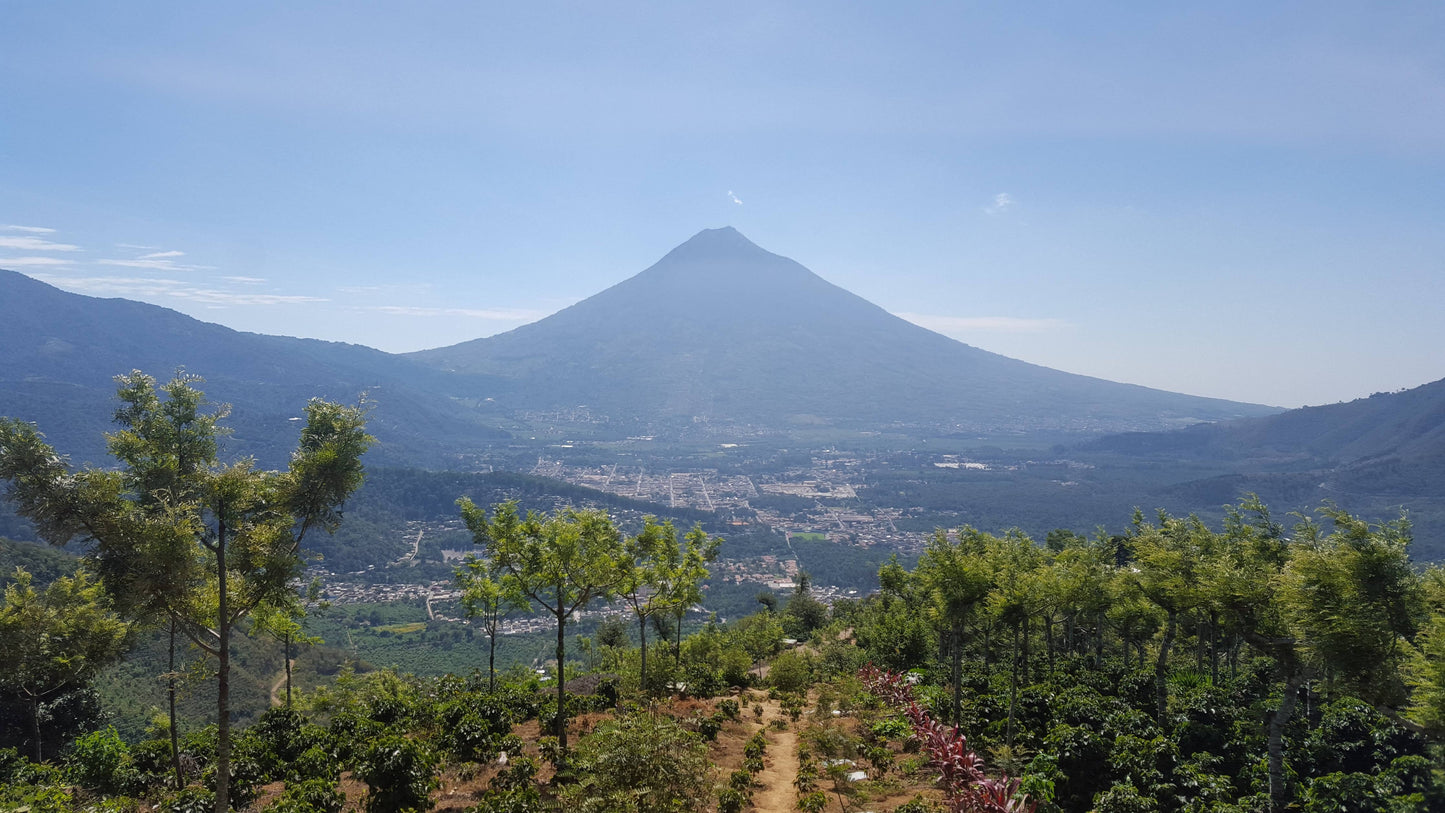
[1244,200]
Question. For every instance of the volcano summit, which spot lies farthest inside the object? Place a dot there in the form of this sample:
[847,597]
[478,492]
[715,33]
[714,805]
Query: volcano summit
[721,332]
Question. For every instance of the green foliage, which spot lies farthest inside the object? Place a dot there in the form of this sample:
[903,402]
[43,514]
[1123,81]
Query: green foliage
[791,672]
[40,788]
[640,762]
[803,613]
[101,762]
[732,800]
[54,641]
[190,800]
[560,564]
[309,796]
[400,774]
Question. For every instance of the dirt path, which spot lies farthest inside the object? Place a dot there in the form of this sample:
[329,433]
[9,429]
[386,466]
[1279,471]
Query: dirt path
[780,767]
[279,685]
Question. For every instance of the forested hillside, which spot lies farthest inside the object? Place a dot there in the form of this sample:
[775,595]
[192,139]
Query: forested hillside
[1170,668]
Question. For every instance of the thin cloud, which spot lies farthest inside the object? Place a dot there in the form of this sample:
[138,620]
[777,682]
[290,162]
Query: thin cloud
[245,280]
[34,244]
[162,254]
[1002,202]
[27,229]
[150,287]
[734,198]
[953,325]
[156,264]
[18,262]
[492,314]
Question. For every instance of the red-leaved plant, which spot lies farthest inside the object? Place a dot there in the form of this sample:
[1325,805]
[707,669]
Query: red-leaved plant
[966,788]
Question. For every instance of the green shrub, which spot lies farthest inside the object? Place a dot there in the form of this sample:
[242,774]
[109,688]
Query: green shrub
[756,745]
[309,796]
[100,761]
[400,774]
[730,709]
[917,804]
[791,672]
[315,763]
[815,801]
[520,774]
[38,788]
[190,800]
[639,761]
[517,800]
[731,801]
[741,780]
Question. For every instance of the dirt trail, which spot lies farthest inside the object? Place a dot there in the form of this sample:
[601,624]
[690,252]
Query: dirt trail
[780,766]
[276,698]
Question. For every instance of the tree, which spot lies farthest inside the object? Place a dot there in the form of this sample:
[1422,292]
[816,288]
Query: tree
[482,599]
[54,641]
[560,563]
[803,614]
[955,579]
[660,576]
[1169,560]
[283,621]
[178,535]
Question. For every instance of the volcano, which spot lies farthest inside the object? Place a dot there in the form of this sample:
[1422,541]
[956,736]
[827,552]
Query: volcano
[721,332]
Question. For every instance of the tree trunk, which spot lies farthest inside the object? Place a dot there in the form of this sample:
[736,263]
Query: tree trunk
[1161,668]
[1213,650]
[1278,788]
[1049,640]
[223,676]
[1013,691]
[288,669]
[171,698]
[35,723]
[1025,650]
[561,680]
[956,646]
[987,649]
[492,662]
[642,631]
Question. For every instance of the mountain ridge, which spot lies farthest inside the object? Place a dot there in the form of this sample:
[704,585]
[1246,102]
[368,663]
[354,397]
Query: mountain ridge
[64,349]
[740,326]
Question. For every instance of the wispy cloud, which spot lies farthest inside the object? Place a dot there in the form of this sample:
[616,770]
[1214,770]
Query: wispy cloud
[734,198]
[1002,202]
[26,243]
[157,262]
[393,288]
[492,314]
[162,254]
[245,280]
[19,262]
[27,229]
[954,325]
[153,288]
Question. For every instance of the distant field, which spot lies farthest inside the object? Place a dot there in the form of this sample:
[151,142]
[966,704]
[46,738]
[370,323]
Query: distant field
[810,537]
[402,629]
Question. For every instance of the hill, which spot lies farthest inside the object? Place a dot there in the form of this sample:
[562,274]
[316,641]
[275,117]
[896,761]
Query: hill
[1374,456]
[722,332]
[62,350]
[1401,426]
